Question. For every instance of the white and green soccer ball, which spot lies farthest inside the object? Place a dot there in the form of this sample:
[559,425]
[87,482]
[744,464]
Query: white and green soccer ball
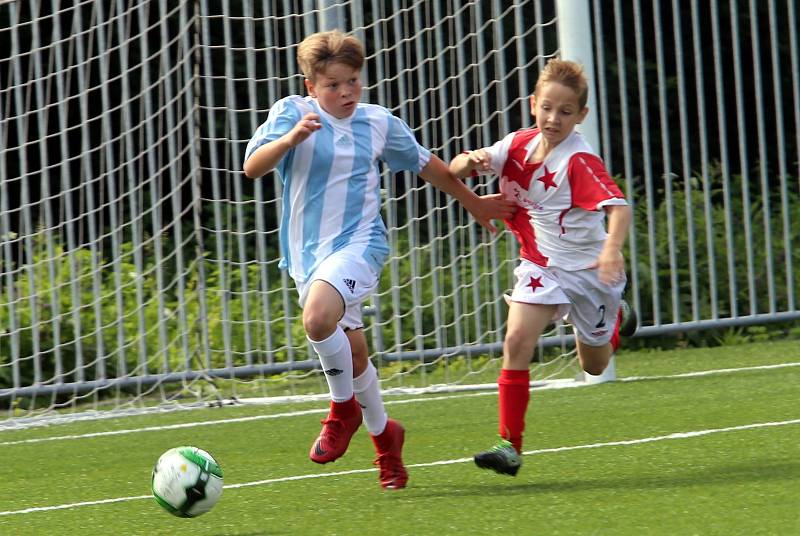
[187,481]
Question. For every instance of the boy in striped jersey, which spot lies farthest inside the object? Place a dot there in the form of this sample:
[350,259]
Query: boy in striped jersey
[327,147]
[569,263]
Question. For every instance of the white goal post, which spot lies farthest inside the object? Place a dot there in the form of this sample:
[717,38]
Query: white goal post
[138,266]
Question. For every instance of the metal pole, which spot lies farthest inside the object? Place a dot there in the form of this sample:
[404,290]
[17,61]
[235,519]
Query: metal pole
[329,15]
[575,44]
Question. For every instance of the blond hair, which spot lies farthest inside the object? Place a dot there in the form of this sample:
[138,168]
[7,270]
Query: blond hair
[319,50]
[567,73]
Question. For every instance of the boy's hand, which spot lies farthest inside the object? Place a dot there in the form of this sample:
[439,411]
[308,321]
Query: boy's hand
[473,163]
[610,263]
[479,160]
[492,207]
[610,266]
[303,129]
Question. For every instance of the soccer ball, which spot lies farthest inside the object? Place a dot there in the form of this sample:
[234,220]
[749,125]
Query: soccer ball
[186,481]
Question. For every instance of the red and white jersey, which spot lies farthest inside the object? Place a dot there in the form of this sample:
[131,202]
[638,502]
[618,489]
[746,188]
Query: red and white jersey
[562,198]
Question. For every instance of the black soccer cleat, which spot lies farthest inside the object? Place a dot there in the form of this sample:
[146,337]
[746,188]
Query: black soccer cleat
[629,320]
[501,458]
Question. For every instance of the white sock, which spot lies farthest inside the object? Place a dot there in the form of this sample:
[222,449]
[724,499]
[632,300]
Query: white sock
[368,393]
[337,363]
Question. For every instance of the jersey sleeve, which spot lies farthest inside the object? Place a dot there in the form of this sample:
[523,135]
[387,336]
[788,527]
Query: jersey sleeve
[498,153]
[592,186]
[402,152]
[282,117]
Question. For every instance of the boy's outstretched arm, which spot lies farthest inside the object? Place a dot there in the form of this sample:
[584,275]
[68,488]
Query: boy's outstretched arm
[266,157]
[483,208]
[610,262]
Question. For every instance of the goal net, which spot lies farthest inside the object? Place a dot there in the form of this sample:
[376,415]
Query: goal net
[139,266]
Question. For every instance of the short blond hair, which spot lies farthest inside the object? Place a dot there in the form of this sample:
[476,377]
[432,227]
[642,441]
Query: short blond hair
[319,50]
[567,73]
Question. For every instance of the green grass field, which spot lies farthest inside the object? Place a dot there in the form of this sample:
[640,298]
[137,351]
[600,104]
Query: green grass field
[658,452]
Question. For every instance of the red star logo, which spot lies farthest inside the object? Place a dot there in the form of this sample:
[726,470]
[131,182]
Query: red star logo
[547,179]
[536,282]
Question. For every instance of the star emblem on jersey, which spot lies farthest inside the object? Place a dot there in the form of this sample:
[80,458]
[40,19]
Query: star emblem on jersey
[536,282]
[351,284]
[547,179]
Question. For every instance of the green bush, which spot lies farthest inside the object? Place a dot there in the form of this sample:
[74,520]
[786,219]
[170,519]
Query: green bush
[106,317]
[733,294]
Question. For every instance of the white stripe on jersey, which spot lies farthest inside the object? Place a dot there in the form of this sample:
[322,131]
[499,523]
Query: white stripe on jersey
[332,216]
[600,184]
[372,203]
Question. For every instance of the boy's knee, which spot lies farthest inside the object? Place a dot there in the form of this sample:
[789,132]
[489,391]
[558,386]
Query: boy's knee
[517,347]
[594,359]
[318,326]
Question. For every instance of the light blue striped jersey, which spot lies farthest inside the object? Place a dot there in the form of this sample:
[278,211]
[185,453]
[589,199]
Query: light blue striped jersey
[331,181]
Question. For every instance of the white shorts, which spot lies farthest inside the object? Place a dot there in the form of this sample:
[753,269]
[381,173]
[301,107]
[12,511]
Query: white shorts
[586,303]
[352,277]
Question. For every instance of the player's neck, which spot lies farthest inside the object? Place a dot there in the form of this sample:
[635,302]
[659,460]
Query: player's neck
[543,149]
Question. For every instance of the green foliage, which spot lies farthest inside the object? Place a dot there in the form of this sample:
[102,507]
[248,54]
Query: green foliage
[106,318]
[102,317]
[438,303]
[707,241]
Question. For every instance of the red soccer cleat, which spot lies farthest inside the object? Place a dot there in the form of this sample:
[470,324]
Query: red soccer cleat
[389,446]
[338,428]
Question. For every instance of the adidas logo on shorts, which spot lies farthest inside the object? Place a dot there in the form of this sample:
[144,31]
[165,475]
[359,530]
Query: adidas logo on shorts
[351,284]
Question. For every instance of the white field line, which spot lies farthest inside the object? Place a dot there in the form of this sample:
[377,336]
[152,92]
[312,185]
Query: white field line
[490,390]
[625,442]
[320,411]
[708,372]
[28,423]
[298,413]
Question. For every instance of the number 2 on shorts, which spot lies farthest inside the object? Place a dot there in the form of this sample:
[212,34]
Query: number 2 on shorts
[602,311]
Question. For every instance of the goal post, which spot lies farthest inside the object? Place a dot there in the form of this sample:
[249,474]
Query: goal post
[574,25]
[139,267]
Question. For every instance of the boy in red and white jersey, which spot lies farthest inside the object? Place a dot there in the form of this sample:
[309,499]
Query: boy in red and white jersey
[570,264]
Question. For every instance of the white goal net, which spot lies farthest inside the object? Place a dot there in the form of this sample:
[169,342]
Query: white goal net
[138,266]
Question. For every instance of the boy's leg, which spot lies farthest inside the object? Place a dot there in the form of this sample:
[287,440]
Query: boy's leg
[322,309]
[365,384]
[598,315]
[321,312]
[626,325]
[387,434]
[526,322]
[594,359]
